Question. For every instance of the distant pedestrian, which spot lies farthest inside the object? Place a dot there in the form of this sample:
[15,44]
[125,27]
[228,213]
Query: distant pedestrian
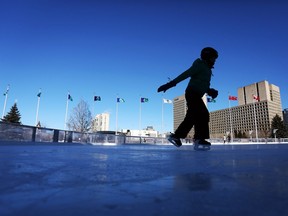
[229,138]
[197,114]
[224,138]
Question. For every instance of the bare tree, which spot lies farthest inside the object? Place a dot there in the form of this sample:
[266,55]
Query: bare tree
[80,119]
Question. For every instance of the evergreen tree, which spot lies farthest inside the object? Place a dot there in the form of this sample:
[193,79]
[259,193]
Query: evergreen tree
[235,134]
[239,134]
[278,123]
[13,116]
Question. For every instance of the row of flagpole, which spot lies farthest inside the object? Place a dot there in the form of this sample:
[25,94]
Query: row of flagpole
[255,98]
[38,105]
[5,103]
[96,98]
[142,100]
[167,101]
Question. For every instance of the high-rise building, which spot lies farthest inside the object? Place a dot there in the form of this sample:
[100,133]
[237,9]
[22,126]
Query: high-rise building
[260,91]
[258,104]
[101,122]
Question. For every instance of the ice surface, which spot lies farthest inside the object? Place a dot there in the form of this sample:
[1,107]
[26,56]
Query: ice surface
[56,179]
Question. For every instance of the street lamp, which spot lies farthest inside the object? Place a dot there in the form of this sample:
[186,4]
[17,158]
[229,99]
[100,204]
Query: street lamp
[250,133]
[274,132]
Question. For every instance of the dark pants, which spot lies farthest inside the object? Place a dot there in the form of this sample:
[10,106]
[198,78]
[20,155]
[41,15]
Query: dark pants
[197,115]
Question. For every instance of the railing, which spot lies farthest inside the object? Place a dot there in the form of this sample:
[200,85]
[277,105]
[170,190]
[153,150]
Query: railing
[24,133]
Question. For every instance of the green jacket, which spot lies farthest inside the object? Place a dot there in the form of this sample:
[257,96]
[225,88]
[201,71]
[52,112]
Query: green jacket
[200,76]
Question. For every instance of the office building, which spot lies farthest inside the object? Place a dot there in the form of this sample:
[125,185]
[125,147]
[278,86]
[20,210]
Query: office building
[258,104]
[179,111]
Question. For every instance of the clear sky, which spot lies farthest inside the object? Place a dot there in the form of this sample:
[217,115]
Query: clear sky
[129,48]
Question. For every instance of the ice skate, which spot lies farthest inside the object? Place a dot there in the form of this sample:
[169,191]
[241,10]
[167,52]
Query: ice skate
[174,140]
[201,145]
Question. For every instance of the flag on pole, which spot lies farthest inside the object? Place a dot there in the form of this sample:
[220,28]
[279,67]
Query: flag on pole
[7,90]
[37,123]
[70,97]
[255,97]
[144,100]
[120,100]
[167,101]
[97,98]
[233,98]
[211,100]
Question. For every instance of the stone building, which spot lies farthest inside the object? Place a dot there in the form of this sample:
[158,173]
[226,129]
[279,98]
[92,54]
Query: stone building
[258,104]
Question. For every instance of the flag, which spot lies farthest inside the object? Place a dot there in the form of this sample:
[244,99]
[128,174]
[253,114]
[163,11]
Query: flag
[7,90]
[233,98]
[97,98]
[167,101]
[144,100]
[70,97]
[256,98]
[211,100]
[39,94]
[120,100]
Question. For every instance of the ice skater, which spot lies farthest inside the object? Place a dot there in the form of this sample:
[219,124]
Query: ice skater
[197,114]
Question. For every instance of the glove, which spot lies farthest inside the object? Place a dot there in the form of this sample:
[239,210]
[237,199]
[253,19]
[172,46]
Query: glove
[166,86]
[213,93]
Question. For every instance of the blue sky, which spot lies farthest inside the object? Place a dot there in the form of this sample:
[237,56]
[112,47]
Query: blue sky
[128,49]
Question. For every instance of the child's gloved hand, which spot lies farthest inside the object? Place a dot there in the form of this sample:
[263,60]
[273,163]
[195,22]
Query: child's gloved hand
[166,86]
[212,92]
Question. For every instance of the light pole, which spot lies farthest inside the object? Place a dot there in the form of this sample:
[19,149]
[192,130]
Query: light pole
[274,132]
[250,133]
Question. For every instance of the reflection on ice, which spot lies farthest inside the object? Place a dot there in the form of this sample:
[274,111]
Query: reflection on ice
[125,179]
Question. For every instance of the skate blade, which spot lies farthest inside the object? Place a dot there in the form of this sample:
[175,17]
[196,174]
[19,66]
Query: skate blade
[174,142]
[198,147]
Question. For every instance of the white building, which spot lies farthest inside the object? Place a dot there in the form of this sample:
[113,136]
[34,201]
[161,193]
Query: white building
[101,122]
[148,132]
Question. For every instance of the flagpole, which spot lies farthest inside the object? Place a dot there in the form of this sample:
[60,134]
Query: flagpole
[94,117]
[116,129]
[5,101]
[255,120]
[162,116]
[162,122]
[94,105]
[230,114]
[67,102]
[140,118]
[37,110]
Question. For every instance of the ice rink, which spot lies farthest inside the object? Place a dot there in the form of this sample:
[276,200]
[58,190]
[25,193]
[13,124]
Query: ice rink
[79,180]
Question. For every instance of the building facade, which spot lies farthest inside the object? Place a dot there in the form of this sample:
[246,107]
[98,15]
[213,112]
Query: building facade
[101,122]
[258,104]
[148,132]
[179,111]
